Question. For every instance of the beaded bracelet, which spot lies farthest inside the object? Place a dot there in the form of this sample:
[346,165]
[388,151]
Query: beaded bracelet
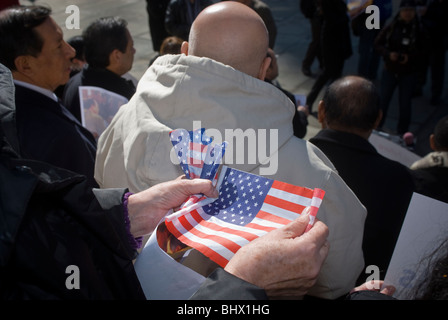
[136,243]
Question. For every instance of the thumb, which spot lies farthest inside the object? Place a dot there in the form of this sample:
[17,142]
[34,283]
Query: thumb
[295,228]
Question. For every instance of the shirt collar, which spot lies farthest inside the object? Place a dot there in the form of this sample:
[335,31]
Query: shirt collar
[41,90]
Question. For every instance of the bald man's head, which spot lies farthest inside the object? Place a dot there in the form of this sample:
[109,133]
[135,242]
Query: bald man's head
[351,104]
[231,33]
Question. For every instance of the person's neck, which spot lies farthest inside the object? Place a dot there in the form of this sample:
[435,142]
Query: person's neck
[362,133]
[24,78]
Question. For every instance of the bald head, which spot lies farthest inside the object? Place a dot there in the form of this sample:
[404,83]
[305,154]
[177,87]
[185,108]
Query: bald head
[351,104]
[231,33]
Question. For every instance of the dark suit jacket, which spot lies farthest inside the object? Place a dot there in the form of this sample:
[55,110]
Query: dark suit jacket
[384,186]
[48,132]
[102,78]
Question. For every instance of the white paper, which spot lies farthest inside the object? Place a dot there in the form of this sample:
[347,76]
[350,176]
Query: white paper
[98,107]
[162,277]
[392,150]
[424,229]
[300,99]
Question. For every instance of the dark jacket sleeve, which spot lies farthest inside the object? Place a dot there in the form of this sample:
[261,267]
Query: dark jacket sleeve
[221,285]
[65,224]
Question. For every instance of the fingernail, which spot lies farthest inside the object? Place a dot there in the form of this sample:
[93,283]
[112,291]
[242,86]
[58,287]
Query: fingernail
[306,211]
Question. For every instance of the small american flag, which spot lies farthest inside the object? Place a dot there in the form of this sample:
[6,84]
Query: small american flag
[198,157]
[248,207]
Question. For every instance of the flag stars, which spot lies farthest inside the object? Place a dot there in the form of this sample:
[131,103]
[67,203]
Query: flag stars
[241,196]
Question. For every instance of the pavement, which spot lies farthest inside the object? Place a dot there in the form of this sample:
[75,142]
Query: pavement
[292,41]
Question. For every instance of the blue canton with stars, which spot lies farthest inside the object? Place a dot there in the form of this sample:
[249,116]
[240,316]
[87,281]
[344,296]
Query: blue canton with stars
[241,196]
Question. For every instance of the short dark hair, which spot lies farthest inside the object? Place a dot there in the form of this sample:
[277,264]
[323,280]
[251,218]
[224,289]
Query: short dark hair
[352,104]
[102,37]
[77,42]
[17,32]
[441,134]
[171,45]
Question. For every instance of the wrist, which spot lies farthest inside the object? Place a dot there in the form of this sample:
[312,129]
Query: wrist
[135,242]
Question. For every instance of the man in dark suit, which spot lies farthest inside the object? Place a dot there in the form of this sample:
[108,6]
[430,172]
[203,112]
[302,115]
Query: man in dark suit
[109,52]
[33,48]
[349,111]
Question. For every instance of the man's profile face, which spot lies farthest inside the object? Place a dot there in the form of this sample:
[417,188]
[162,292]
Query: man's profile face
[128,55]
[51,68]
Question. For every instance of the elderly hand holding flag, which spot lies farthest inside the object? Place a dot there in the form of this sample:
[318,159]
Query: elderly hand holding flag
[284,262]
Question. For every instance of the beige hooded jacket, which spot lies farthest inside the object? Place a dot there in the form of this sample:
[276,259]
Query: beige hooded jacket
[178,90]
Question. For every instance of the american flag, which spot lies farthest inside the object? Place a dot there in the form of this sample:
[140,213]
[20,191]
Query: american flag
[248,207]
[198,157]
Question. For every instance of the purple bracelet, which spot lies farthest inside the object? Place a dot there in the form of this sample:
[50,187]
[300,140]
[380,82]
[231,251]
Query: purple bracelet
[136,243]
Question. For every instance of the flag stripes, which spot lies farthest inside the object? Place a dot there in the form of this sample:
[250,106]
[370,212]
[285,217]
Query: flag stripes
[236,217]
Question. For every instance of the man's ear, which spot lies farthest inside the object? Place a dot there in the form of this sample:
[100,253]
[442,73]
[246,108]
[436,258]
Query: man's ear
[184,48]
[432,142]
[23,64]
[378,119]
[114,57]
[321,114]
[264,68]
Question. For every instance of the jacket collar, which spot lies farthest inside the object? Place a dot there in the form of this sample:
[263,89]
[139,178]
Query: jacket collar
[40,90]
[348,140]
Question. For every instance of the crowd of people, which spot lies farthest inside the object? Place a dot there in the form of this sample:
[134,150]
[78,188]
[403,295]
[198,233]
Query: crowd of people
[69,198]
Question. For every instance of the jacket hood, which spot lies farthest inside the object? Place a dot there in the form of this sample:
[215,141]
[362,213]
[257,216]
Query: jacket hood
[8,130]
[201,92]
